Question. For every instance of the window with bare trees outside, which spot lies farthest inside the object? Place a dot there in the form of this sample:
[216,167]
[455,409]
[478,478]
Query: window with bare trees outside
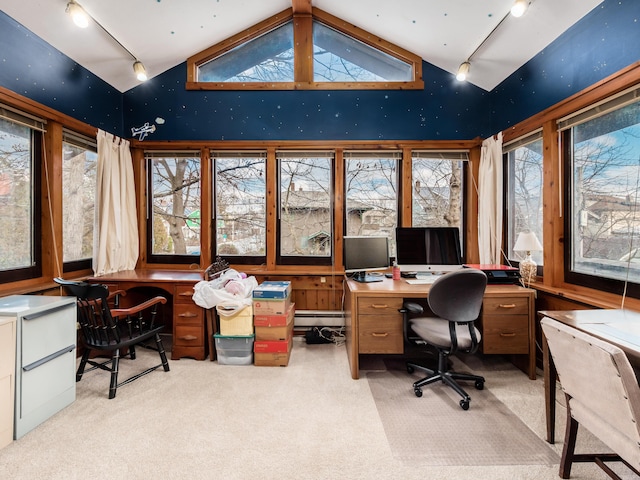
[524,193]
[437,193]
[289,52]
[20,149]
[240,206]
[602,146]
[174,207]
[306,207]
[79,161]
[371,194]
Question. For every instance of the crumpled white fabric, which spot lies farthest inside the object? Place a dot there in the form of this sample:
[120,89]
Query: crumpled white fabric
[211,293]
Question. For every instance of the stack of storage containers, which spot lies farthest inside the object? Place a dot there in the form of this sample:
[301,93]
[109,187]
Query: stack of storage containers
[273,315]
[234,342]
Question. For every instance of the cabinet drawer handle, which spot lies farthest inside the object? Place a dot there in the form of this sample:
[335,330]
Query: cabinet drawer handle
[384,305]
[185,294]
[188,315]
[188,337]
[505,334]
[507,305]
[382,335]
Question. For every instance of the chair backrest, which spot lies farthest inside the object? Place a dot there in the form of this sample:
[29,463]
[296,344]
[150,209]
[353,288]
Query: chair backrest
[457,295]
[97,326]
[601,385]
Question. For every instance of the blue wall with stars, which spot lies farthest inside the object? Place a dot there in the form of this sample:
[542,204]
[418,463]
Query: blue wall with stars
[34,69]
[444,110]
[603,42]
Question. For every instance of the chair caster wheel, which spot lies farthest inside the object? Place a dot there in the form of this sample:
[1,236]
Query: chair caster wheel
[410,369]
[479,385]
[464,404]
[417,391]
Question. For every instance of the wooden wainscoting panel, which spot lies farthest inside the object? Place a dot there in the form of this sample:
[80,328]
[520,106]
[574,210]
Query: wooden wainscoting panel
[310,292]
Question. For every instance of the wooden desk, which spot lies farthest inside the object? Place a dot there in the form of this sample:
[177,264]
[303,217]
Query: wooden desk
[188,318]
[374,324]
[613,326]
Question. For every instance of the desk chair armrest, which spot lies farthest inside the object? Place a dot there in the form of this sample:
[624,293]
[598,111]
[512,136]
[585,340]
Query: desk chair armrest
[407,309]
[122,312]
[411,307]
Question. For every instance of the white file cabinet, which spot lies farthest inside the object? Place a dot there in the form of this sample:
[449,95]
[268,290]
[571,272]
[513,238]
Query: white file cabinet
[45,358]
[7,376]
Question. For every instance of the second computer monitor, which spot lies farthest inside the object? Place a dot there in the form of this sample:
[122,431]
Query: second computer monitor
[428,249]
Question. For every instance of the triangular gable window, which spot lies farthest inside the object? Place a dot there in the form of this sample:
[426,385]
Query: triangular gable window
[340,58]
[290,52]
[267,58]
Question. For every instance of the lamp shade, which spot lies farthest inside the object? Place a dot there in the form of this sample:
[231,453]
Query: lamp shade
[527,242]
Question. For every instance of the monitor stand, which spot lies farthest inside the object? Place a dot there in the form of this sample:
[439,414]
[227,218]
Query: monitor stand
[364,277]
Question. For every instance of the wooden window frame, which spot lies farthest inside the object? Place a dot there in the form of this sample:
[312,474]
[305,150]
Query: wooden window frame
[303,56]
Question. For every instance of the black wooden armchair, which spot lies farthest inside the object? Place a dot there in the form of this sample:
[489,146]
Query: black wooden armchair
[107,328]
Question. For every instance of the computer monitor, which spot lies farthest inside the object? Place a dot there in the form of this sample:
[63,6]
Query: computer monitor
[365,254]
[428,249]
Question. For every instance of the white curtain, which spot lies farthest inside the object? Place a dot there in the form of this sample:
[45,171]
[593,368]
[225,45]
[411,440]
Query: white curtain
[115,245]
[490,201]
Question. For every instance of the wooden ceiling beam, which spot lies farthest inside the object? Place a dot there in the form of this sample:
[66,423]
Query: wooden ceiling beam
[301,7]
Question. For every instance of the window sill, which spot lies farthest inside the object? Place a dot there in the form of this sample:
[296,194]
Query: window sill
[589,297]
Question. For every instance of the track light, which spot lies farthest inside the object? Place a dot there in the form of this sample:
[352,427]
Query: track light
[517,10]
[139,70]
[463,71]
[79,16]
[519,7]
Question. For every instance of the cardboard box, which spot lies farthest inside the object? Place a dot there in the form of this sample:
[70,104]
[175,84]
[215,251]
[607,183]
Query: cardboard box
[275,320]
[272,289]
[272,354]
[270,306]
[271,359]
[240,323]
[273,346]
[283,332]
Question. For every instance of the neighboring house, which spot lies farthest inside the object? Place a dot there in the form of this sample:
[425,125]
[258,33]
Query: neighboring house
[606,222]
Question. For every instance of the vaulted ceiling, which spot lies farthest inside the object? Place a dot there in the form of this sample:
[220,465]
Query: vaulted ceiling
[164,33]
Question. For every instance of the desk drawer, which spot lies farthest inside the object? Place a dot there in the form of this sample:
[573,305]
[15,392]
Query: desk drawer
[183,294]
[379,306]
[505,306]
[380,333]
[184,314]
[188,336]
[505,334]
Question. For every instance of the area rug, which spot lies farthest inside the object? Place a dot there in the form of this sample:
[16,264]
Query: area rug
[434,430]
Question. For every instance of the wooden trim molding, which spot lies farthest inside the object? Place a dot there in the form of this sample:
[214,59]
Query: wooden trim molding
[303,15]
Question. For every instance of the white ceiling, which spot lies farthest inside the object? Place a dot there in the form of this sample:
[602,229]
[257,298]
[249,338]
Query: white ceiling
[164,33]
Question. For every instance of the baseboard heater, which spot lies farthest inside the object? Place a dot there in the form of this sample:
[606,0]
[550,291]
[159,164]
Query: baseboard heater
[318,318]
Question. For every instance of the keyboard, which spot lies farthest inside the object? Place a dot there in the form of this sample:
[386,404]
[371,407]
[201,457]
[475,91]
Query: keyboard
[424,280]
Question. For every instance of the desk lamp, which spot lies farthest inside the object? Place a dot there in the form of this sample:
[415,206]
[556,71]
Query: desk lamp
[527,242]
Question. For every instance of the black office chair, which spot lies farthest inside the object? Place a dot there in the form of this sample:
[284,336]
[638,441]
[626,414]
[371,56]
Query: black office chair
[456,300]
[112,330]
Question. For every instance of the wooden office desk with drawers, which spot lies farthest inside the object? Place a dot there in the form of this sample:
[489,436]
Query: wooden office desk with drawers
[374,324]
[189,335]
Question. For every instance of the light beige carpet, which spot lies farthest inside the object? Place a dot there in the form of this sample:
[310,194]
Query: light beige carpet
[434,430]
